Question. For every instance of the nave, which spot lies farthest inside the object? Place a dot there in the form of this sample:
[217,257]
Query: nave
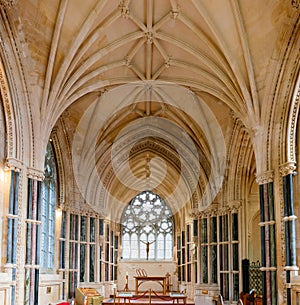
[156,135]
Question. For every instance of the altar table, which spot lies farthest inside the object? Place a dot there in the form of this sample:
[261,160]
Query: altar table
[175,296]
[162,280]
[123,295]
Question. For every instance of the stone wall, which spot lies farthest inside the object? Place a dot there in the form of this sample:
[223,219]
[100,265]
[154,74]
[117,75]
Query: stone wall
[5,288]
[152,268]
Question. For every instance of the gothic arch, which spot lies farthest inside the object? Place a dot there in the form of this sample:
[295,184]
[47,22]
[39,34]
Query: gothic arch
[15,97]
[8,114]
[292,124]
[283,126]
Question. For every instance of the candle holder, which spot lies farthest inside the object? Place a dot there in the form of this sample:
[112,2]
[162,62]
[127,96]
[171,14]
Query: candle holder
[114,286]
[126,283]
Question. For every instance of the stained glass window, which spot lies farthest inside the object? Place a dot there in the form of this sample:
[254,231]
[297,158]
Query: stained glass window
[147,219]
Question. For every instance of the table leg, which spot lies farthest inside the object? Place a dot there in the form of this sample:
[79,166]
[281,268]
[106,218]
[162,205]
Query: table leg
[136,286]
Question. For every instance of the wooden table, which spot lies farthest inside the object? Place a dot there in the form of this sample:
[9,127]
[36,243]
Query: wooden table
[162,280]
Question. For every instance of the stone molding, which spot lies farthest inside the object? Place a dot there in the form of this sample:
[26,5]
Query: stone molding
[60,167]
[268,269]
[291,268]
[289,218]
[8,111]
[292,127]
[216,210]
[267,223]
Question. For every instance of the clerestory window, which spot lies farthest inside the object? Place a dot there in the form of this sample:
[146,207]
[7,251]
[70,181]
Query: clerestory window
[147,228]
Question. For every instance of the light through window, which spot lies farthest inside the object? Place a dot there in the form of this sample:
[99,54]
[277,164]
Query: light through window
[147,228]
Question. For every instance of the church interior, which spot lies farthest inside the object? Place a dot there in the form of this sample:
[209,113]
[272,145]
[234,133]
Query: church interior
[149,148]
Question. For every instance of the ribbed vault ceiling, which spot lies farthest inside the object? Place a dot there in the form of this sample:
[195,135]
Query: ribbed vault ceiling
[186,63]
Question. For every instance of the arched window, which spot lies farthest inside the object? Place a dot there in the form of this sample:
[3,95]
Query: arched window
[48,210]
[147,228]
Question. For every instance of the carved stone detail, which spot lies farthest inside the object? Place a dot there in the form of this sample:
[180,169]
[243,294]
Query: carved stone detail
[14,164]
[60,167]
[287,168]
[234,205]
[36,174]
[124,9]
[296,4]
[265,178]
[215,210]
[292,128]
[7,3]
[8,113]
[174,13]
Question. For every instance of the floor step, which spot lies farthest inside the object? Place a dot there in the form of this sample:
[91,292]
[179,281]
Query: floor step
[140,300]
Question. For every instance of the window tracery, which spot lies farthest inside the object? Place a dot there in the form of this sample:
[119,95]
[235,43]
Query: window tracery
[48,210]
[147,219]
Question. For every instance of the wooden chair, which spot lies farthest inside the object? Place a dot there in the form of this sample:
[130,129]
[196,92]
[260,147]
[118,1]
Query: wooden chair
[220,300]
[250,298]
[168,282]
[141,272]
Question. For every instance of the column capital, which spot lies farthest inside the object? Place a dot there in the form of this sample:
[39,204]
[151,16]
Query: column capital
[12,164]
[234,205]
[265,177]
[36,174]
[287,168]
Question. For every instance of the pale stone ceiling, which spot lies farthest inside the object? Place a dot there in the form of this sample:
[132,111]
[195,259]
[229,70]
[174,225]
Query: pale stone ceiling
[223,52]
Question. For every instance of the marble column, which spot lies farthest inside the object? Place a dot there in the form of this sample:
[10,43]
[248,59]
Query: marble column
[268,239]
[287,171]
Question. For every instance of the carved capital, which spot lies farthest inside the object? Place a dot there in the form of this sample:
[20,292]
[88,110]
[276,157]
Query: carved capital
[265,177]
[287,168]
[35,174]
[234,205]
[14,165]
[194,213]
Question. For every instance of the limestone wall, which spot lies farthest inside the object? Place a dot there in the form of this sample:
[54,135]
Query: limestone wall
[152,268]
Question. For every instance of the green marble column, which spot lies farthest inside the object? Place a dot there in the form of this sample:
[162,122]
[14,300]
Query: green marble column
[287,170]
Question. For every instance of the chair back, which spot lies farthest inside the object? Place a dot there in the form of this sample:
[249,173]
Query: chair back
[220,300]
